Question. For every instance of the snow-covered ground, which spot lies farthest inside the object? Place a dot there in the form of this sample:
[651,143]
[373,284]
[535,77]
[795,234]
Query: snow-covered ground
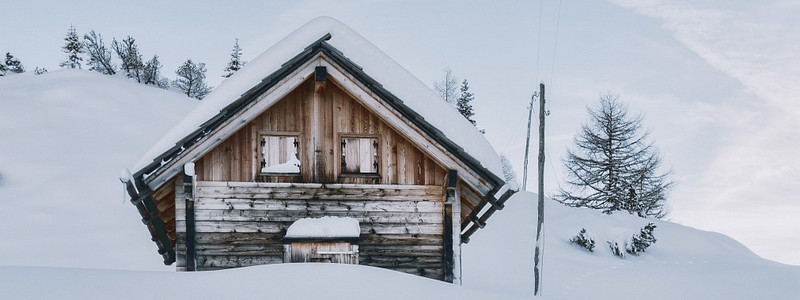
[65,135]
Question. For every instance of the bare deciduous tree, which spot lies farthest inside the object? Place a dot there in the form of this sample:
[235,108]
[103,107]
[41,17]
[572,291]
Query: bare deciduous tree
[99,55]
[191,79]
[446,86]
[614,166]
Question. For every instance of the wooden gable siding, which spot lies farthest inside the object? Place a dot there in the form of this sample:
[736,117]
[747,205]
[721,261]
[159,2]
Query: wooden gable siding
[238,157]
[242,224]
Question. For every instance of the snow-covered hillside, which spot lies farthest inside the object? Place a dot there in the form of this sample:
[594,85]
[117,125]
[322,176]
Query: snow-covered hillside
[65,135]
[684,263]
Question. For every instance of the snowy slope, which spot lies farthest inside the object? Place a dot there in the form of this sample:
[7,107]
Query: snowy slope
[287,281]
[684,263]
[64,137]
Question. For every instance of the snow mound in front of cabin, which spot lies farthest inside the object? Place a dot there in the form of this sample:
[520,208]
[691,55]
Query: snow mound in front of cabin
[324,227]
[284,281]
[684,263]
[64,137]
[393,77]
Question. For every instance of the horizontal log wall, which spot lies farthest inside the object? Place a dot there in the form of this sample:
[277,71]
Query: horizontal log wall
[237,158]
[243,223]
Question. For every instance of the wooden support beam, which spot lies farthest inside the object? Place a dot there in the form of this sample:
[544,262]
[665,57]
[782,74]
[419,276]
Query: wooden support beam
[188,192]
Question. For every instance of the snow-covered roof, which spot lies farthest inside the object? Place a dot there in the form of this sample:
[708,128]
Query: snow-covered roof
[324,227]
[411,91]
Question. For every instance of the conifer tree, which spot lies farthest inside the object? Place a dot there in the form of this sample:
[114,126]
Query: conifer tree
[446,86]
[13,64]
[39,71]
[99,55]
[151,74]
[128,53]
[191,79]
[236,62]
[3,69]
[73,48]
[463,103]
[614,167]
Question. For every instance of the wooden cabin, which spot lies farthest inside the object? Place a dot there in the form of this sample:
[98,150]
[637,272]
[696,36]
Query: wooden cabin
[321,125]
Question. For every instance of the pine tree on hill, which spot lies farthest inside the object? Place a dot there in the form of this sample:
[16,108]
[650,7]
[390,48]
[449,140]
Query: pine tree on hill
[73,48]
[13,64]
[128,53]
[614,167]
[191,79]
[99,55]
[463,103]
[236,62]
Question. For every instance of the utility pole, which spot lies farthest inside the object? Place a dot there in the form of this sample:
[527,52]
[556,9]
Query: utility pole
[527,145]
[537,259]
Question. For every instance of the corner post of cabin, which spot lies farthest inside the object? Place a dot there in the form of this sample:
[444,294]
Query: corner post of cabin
[452,230]
[188,192]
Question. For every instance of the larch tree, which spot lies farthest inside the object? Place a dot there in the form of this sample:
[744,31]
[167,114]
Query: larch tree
[446,86]
[614,166]
[191,79]
[236,62]
[128,53]
[99,55]
[463,103]
[13,64]
[73,48]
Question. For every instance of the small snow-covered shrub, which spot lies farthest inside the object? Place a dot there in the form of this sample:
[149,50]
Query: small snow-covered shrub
[615,249]
[640,242]
[582,240]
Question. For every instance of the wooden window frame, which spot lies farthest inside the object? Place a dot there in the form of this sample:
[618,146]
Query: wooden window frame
[260,150]
[342,172]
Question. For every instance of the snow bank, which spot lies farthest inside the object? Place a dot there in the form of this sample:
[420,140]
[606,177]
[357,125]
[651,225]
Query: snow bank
[64,137]
[285,281]
[324,227]
[374,62]
[685,263]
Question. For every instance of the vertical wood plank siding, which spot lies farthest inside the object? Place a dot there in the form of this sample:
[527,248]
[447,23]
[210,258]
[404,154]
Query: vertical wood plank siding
[243,223]
[238,157]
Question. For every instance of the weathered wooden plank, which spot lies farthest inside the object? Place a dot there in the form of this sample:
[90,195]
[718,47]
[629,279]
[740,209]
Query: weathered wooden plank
[212,262]
[377,228]
[291,216]
[246,250]
[320,205]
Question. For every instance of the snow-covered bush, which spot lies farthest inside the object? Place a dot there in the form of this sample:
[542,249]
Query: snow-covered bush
[583,240]
[640,242]
[615,249]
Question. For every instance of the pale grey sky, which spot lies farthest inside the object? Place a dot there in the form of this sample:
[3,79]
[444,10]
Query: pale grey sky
[715,81]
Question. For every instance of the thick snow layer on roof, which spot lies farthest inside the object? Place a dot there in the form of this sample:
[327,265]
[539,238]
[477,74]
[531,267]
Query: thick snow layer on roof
[413,92]
[325,227]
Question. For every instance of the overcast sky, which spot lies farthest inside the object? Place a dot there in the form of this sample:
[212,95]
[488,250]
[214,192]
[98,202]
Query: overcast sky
[716,82]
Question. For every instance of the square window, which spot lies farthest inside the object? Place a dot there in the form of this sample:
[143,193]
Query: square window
[360,155]
[279,154]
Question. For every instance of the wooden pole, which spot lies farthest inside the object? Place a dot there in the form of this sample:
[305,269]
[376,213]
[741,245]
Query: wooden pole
[527,146]
[537,260]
